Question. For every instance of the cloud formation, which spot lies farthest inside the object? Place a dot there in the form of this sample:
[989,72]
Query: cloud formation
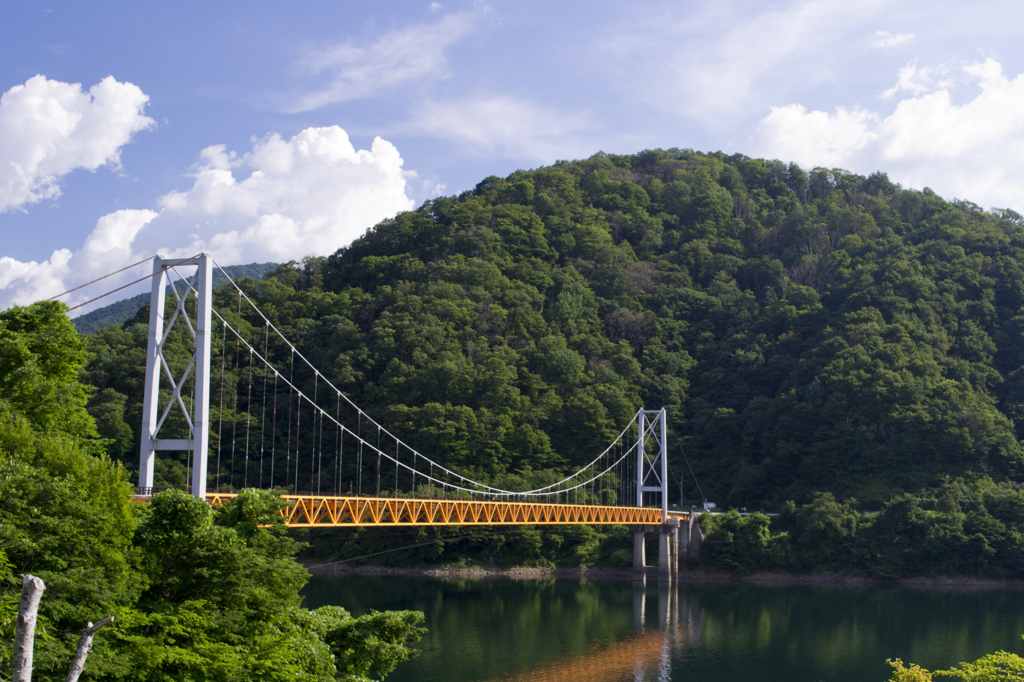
[505,126]
[885,40]
[712,61]
[282,200]
[974,150]
[412,53]
[49,128]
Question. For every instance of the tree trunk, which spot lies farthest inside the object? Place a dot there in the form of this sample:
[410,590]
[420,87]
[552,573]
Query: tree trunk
[84,647]
[25,627]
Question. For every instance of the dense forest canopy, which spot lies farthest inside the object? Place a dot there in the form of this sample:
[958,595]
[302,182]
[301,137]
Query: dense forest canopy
[806,331]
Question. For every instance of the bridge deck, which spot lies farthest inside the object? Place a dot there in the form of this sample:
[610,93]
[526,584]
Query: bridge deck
[322,511]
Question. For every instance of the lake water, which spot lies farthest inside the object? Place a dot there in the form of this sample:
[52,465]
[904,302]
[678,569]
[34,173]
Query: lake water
[490,630]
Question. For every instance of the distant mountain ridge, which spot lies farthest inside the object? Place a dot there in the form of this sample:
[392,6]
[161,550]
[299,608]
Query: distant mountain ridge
[123,310]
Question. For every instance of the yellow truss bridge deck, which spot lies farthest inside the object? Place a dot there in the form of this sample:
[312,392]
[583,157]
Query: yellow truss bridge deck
[324,511]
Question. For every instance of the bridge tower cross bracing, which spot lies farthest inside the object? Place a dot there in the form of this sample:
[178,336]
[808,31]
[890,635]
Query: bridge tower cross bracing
[157,366]
[652,472]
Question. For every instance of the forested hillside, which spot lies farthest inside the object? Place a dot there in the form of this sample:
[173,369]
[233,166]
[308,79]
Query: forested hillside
[806,332]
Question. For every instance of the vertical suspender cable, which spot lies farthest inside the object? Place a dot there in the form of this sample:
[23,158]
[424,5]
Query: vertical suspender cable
[298,434]
[273,433]
[339,433]
[234,410]
[288,442]
[312,454]
[263,418]
[320,454]
[220,412]
[359,437]
[248,420]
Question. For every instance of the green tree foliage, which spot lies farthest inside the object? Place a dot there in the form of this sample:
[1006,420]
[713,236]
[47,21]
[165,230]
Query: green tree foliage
[742,544]
[955,529]
[40,356]
[1000,666]
[222,603]
[8,606]
[65,513]
[375,643]
[914,673]
[197,593]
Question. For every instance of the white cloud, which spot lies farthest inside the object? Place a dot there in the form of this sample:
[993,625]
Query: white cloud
[49,128]
[919,81]
[282,200]
[829,139]
[408,54]
[973,150]
[884,39]
[506,126]
[713,61]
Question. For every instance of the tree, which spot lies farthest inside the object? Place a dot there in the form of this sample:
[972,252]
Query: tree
[196,593]
[65,513]
[375,643]
[1000,666]
[40,357]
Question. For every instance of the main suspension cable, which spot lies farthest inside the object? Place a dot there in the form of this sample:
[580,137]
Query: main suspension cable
[570,483]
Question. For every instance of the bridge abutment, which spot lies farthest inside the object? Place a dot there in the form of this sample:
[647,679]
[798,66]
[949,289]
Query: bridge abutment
[694,537]
[669,535]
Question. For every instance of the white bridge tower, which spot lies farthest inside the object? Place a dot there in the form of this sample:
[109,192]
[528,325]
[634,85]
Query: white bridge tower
[157,367]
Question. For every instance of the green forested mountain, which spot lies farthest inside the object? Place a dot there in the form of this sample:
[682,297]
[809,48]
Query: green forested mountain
[807,332]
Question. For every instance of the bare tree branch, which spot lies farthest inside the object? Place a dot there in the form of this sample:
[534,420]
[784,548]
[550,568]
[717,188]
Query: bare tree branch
[84,647]
[25,628]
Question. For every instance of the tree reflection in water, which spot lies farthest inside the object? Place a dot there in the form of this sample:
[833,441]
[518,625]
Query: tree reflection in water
[505,630]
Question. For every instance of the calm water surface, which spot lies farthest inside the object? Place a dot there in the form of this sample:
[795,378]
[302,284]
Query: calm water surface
[486,630]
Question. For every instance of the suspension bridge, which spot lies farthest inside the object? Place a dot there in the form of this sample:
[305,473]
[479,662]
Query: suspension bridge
[225,386]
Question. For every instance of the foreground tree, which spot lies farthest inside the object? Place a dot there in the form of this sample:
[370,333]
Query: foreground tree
[1001,666]
[196,593]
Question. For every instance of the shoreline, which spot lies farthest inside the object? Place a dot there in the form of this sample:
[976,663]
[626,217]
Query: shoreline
[685,576]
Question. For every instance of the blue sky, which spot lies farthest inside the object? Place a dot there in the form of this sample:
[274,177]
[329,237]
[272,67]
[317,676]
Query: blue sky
[263,131]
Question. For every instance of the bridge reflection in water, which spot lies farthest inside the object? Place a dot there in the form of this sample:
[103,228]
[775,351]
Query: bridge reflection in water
[645,655]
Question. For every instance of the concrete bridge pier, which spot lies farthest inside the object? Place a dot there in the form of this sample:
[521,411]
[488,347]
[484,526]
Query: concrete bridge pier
[639,554]
[668,549]
[676,536]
